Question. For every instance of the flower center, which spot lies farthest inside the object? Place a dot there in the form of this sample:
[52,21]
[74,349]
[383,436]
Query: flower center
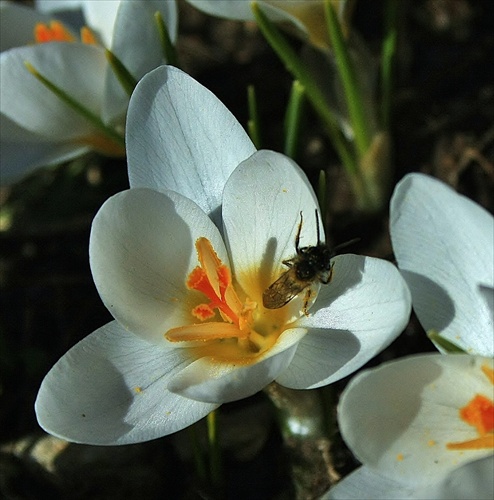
[55,31]
[479,413]
[243,332]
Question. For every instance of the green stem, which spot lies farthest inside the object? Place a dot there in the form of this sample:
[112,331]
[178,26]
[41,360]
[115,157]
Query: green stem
[293,118]
[253,124]
[196,452]
[214,450]
[306,435]
[387,57]
[167,47]
[77,106]
[296,66]
[351,86]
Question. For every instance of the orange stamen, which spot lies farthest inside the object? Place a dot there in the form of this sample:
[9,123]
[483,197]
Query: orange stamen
[213,279]
[479,413]
[87,36]
[55,32]
[488,372]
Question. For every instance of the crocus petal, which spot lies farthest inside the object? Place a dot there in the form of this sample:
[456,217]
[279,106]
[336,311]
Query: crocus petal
[141,251]
[402,418]
[359,313]
[111,388]
[58,5]
[78,69]
[101,17]
[181,137]
[137,43]
[261,209]
[23,151]
[444,244]
[211,381]
[17,24]
[472,480]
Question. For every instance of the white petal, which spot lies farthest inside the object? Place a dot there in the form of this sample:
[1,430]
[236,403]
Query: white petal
[242,10]
[444,244]
[359,313]
[262,202]
[210,381]
[17,24]
[137,44]
[78,69]
[400,417]
[473,480]
[111,388]
[181,137]
[141,252]
[23,151]
[101,16]
[58,5]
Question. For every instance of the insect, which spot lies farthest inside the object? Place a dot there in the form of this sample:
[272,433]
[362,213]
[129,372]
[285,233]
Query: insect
[310,264]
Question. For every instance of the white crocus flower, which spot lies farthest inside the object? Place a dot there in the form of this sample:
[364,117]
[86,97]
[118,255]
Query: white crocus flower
[182,259]
[444,245]
[423,427]
[39,128]
[306,16]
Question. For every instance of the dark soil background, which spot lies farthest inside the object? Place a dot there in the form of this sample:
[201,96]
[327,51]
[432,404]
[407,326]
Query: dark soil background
[442,124]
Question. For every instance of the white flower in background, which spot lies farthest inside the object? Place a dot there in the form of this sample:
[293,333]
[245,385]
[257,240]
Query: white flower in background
[182,259]
[38,128]
[444,245]
[423,427]
[306,16]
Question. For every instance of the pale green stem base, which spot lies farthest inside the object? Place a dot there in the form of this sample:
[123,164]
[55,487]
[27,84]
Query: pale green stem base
[305,432]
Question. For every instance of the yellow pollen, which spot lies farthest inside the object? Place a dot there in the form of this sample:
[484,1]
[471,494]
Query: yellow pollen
[400,457]
[230,329]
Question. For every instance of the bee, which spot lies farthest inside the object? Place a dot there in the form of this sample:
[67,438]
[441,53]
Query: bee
[311,264]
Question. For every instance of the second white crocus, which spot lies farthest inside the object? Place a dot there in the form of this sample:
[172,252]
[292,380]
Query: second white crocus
[38,128]
[181,260]
[444,246]
[423,427]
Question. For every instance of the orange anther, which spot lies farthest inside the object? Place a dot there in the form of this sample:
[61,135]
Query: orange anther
[55,32]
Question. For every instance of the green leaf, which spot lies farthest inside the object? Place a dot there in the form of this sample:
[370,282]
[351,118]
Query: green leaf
[167,47]
[293,117]
[253,124]
[94,119]
[447,345]
[123,75]
[351,86]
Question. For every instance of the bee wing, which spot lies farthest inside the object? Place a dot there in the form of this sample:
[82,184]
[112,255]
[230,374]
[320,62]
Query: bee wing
[284,289]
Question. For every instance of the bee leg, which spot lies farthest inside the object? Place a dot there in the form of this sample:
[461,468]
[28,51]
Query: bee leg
[288,262]
[330,276]
[299,230]
[307,297]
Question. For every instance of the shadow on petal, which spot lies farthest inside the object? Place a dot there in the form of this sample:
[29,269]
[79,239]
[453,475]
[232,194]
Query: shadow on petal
[348,272]
[321,357]
[432,303]
[88,416]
